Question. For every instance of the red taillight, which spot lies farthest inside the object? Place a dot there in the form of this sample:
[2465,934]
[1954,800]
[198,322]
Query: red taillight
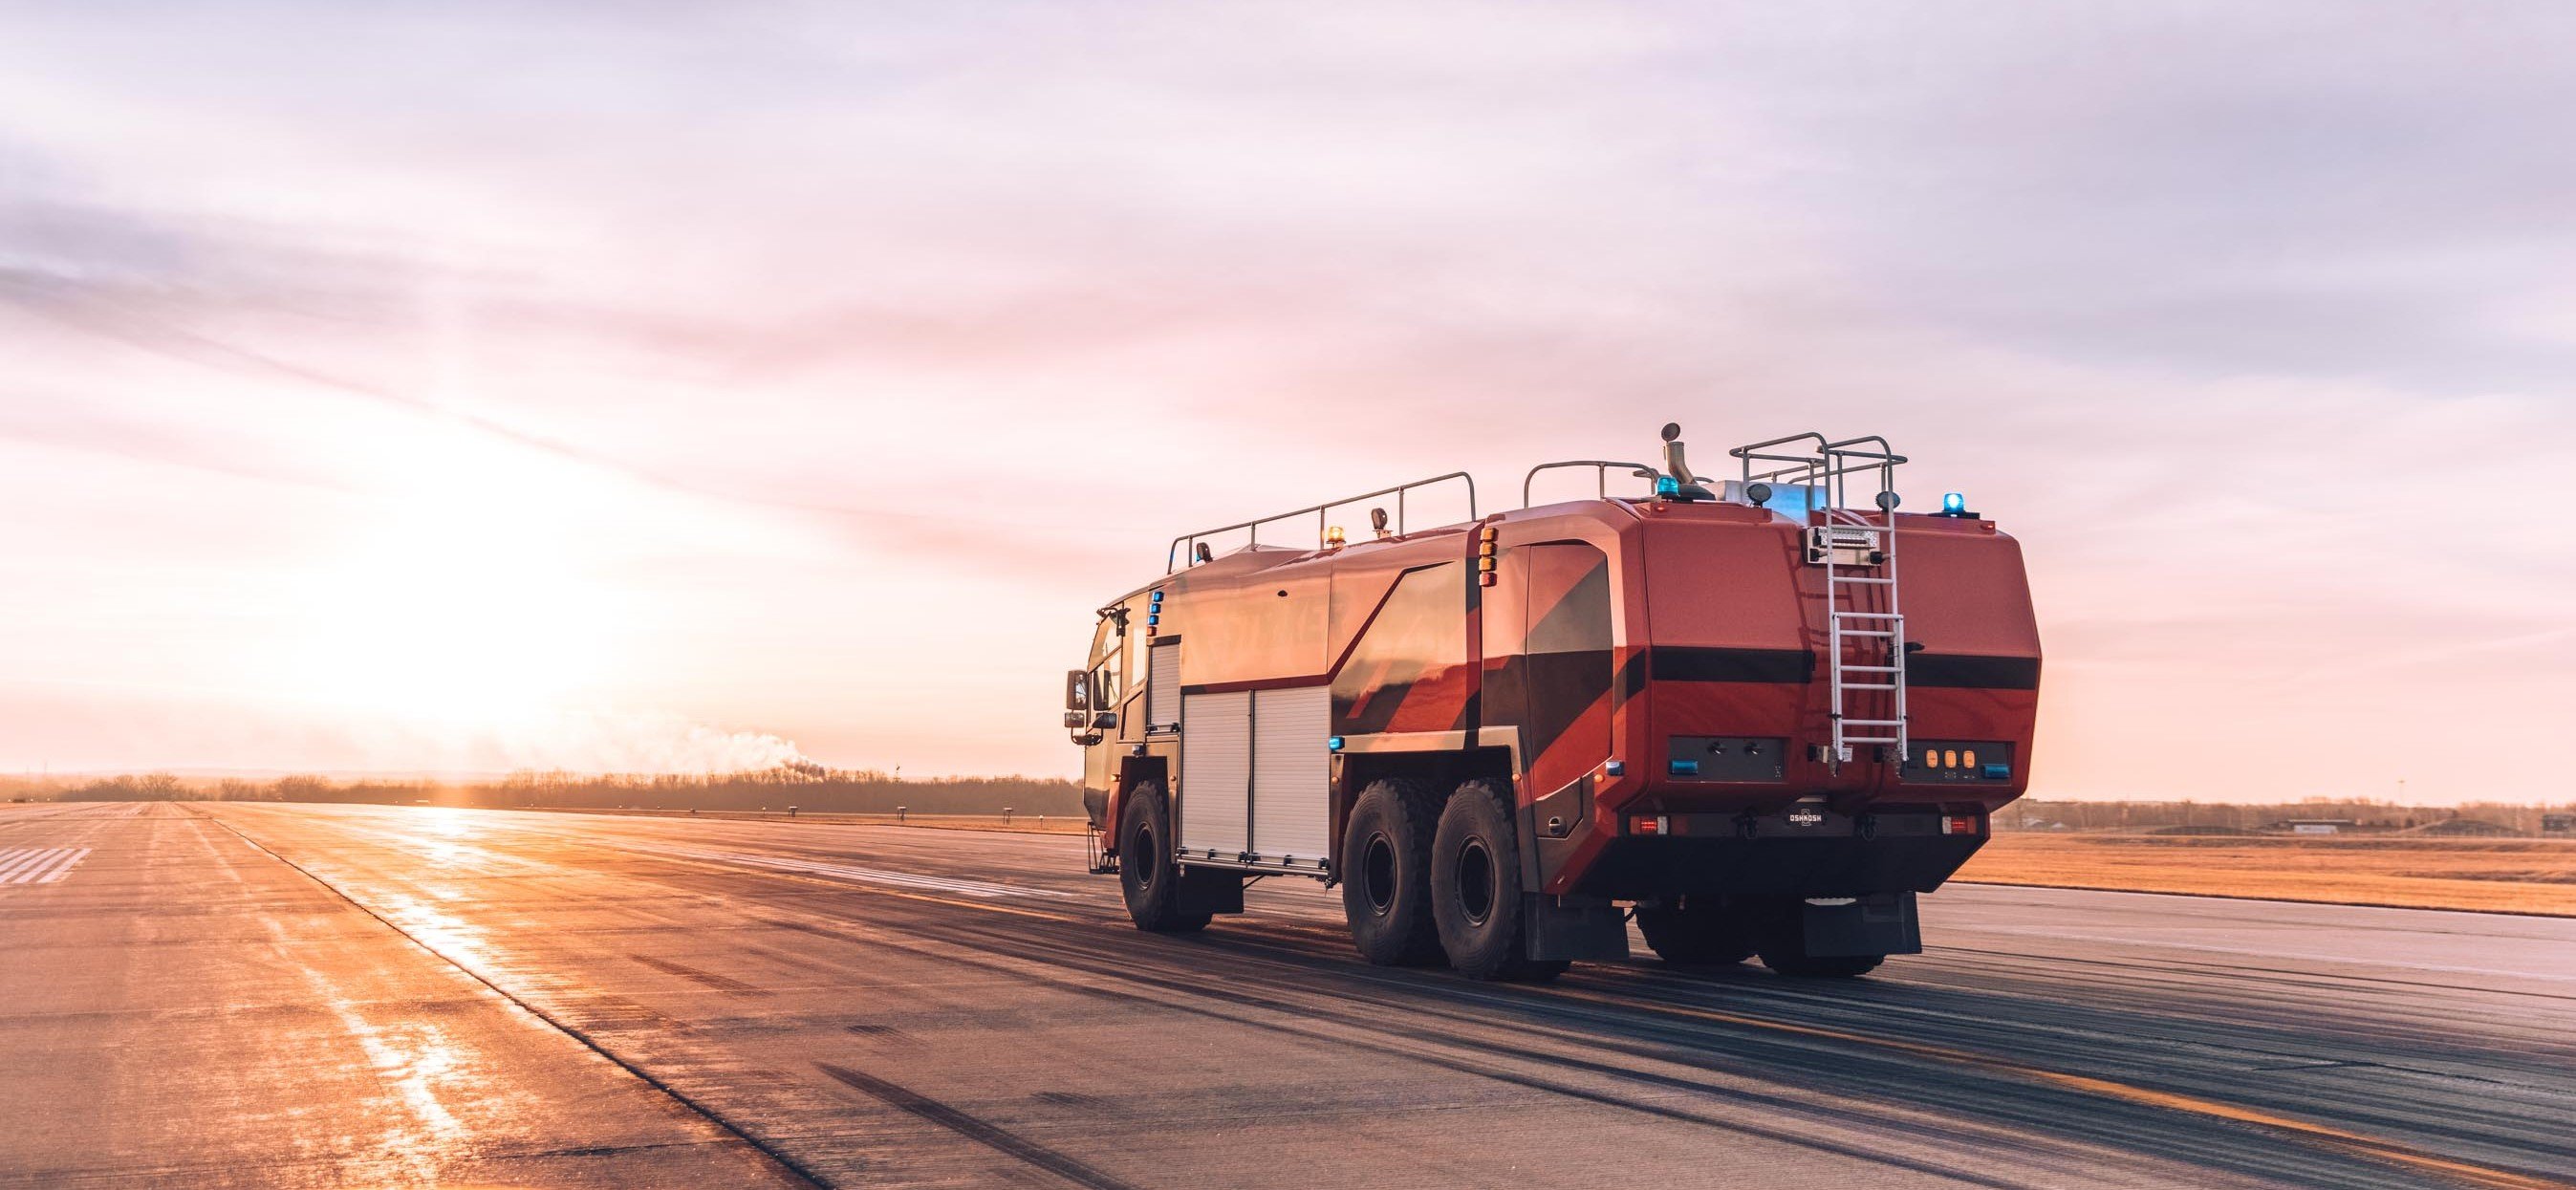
[1650,824]
[1959,824]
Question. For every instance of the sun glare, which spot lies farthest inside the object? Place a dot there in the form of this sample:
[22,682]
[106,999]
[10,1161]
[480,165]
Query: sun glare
[467,603]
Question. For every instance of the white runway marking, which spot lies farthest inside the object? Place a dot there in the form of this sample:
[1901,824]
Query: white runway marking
[972,888]
[38,865]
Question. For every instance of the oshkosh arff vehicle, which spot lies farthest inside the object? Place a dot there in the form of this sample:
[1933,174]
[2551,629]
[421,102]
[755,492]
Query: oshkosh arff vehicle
[1726,710]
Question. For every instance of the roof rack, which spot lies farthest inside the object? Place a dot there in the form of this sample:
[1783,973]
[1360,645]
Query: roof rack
[1828,464]
[1172,556]
[1601,474]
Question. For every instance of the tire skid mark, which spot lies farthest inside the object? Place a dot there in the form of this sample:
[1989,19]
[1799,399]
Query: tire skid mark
[721,983]
[1685,1026]
[2371,1149]
[1434,1037]
[993,1137]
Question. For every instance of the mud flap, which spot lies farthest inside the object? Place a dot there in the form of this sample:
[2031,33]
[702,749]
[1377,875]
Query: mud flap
[1210,890]
[1095,807]
[1882,923]
[1583,929]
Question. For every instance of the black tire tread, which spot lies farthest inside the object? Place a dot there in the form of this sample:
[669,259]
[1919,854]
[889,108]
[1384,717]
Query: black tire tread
[1514,966]
[1156,910]
[1420,811]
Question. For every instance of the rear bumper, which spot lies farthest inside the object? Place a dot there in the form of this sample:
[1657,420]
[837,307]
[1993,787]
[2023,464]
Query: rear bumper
[1778,855]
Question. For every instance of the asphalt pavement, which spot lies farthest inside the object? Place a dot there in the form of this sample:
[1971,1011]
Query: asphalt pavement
[199,994]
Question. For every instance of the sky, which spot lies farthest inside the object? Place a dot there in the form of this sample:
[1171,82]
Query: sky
[469,388]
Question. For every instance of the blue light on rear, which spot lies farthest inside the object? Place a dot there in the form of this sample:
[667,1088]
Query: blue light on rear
[1666,485]
[1153,617]
[1998,772]
[1335,743]
[1157,597]
[1685,768]
[1954,502]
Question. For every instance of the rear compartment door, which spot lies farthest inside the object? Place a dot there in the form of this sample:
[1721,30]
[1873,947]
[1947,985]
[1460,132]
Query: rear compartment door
[1291,813]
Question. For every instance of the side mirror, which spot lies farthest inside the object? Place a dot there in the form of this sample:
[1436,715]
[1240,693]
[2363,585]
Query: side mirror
[1077,691]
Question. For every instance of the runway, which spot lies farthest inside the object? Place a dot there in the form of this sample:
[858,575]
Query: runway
[213,994]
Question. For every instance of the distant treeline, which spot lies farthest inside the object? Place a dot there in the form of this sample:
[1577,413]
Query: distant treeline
[807,787]
[868,791]
[2362,813]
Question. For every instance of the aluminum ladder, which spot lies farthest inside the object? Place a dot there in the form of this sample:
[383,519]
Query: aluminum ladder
[1862,614]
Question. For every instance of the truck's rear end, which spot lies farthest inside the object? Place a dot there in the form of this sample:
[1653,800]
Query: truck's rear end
[1758,630]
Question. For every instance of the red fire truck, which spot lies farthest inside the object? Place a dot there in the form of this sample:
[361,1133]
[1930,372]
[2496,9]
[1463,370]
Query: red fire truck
[1721,710]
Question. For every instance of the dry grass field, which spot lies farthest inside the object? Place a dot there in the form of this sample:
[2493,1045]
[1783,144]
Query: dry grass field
[2498,875]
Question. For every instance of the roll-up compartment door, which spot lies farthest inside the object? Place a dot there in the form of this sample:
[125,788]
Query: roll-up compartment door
[1291,802]
[1216,770]
[1163,687]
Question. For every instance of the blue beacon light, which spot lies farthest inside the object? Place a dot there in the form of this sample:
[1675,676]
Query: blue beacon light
[1954,503]
[1666,485]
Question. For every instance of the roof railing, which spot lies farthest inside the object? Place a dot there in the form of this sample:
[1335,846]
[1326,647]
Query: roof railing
[1172,557]
[1601,474]
[1828,464]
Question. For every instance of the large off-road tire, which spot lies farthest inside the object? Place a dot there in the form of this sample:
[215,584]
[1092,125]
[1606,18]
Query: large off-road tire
[1146,875]
[1781,933]
[1476,888]
[1697,933]
[1386,876]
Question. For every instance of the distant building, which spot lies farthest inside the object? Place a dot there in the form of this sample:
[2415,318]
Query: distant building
[2315,826]
[2558,824]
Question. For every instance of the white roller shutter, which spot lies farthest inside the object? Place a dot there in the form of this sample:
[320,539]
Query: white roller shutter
[1291,804]
[1162,688]
[1216,771]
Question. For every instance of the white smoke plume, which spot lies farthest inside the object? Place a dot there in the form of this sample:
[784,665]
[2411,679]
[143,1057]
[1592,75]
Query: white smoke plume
[603,741]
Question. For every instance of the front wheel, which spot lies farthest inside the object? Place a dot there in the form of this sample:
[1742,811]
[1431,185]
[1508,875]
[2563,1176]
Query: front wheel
[1147,877]
[1476,888]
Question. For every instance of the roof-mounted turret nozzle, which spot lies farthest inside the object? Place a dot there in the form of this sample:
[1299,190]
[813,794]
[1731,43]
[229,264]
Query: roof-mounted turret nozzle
[1677,483]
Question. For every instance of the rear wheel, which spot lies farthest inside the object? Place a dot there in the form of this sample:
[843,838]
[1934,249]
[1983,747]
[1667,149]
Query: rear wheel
[1386,875]
[1476,888]
[1781,933]
[1697,933]
[1147,877]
